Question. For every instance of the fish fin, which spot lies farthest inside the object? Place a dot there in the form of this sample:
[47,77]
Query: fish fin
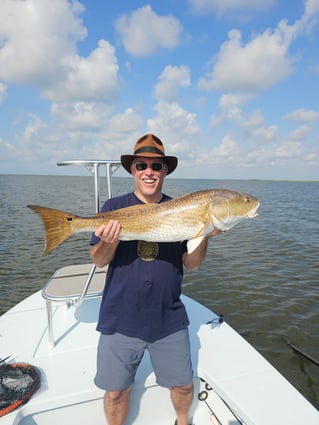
[192,244]
[57,224]
[207,227]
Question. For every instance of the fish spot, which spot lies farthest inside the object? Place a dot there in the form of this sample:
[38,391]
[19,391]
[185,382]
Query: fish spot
[69,218]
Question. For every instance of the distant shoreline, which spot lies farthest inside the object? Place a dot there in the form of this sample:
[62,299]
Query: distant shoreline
[169,177]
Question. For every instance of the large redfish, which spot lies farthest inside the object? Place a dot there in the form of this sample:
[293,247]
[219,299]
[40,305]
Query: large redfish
[189,217]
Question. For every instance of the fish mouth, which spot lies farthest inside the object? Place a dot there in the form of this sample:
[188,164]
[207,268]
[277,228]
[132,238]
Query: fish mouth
[253,212]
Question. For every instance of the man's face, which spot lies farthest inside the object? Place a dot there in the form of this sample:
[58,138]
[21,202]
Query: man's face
[149,175]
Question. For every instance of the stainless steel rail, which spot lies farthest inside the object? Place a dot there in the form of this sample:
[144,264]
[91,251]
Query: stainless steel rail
[93,166]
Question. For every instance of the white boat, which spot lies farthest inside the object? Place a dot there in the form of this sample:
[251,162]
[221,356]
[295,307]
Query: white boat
[54,330]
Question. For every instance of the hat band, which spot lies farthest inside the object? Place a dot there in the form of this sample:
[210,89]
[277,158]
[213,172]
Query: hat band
[148,149]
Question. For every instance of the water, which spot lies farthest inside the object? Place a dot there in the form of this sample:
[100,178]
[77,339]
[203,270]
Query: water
[262,275]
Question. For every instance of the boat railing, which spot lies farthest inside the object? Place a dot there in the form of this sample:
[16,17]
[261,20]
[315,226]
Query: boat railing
[51,294]
[93,166]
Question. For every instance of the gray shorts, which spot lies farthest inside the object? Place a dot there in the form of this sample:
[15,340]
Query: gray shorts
[119,356]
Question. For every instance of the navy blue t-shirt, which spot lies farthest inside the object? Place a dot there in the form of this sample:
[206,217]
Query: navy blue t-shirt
[143,285]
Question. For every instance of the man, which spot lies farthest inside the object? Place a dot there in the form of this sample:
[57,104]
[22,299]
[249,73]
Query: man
[141,307]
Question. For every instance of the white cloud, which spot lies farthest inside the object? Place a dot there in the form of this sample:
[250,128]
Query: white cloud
[33,127]
[38,40]
[96,119]
[259,156]
[173,118]
[143,32]
[221,7]
[126,122]
[299,133]
[215,121]
[34,36]
[83,130]
[231,108]
[265,133]
[176,125]
[274,155]
[170,80]
[256,119]
[3,91]
[117,136]
[227,151]
[313,158]
[253,67]
[310,16]
[81,116]
[303,115]
[94,78]
[7,150]
[290,149]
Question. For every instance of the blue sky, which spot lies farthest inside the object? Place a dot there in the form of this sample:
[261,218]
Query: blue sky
[230,86]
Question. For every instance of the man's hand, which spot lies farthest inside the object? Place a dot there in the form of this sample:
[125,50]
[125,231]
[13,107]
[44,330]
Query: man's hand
[214,232]
[194,260]
[109,233]
[103,252]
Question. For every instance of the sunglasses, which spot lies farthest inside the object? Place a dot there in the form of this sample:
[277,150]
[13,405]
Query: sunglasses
[141,166]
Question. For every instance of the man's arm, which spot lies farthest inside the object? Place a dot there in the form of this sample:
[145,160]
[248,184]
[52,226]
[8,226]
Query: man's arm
[103,252]
[194,260]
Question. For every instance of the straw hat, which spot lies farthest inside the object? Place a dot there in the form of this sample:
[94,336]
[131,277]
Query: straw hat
[149,146]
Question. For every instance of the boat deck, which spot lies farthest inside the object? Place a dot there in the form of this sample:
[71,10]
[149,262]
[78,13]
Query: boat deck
[237,373]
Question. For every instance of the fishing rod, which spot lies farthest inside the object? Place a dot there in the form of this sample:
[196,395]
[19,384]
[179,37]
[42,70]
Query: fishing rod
[203,395]
[4,360]
[302,353]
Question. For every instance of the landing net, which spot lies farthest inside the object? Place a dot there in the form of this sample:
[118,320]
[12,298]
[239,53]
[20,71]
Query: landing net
[18,382]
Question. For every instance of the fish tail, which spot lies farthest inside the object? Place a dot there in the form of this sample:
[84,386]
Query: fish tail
[57,224]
